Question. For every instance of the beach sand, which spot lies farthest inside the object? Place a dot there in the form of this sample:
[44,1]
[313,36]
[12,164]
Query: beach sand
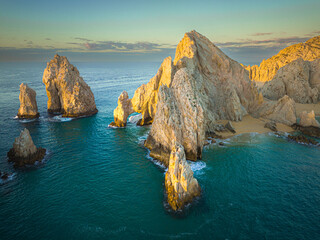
[250,124]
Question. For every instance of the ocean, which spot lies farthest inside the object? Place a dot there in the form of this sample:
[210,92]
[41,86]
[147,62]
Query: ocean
[100,183]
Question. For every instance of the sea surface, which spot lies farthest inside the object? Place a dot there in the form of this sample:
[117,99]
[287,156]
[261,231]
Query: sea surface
[99,183]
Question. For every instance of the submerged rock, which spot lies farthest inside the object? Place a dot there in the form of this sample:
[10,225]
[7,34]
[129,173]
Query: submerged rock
[181,186]
[296,80]
[308,119]
[310,131]
[67,92]
[24,151]
[308,51]
[28,103]
[271,125]
[303,139]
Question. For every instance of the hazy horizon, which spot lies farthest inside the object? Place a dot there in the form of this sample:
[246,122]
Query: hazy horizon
[105,31]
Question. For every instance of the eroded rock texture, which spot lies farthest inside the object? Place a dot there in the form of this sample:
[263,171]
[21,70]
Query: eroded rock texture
[206,86]
[308,119]
[308,51]
[300,80]
[67,92]
[28,103]
[145,97]
[24,151]
[181,186]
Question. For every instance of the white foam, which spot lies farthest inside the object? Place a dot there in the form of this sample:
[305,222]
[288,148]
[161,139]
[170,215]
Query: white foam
[10,178]
[156,162]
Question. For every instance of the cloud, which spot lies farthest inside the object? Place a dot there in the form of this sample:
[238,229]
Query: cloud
[83,39]
[260,34]
[48,39]
[114,46]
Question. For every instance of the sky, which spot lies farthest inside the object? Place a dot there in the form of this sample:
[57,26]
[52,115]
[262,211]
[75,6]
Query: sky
[139,30]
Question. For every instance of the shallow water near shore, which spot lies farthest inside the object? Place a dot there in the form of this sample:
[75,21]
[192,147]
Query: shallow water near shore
[99,183]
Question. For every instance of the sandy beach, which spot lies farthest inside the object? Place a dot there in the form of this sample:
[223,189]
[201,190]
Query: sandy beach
[250,124]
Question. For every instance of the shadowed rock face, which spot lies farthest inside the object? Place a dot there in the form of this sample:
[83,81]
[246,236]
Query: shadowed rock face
[308,51]
[300,80]
[24,151]
[28,103]
[181,186]
[206,86]
[67,92]
[145,97]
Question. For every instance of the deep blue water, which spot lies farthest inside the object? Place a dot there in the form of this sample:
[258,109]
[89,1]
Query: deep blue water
[99,183]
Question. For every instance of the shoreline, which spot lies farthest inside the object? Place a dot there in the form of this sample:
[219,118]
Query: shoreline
[250,124]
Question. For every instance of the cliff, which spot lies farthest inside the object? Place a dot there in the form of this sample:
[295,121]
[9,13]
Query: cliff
[299,79]
[67,92]
[308,51]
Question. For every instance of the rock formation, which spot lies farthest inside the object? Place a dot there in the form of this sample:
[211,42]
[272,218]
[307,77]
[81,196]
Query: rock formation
[271,125]
[67,92]
[206,86]
[299,79]
[24,151]
[308,51]
[281,111]
[145,97]
[308,119]
[181,186]
[302,139]
[28,103]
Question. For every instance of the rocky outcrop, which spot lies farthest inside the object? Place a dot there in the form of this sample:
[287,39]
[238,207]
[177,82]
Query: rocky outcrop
[299,80]
[271,125]
[308,51]
[181,186]
[67,92]
[303,140]
[230,127]
[24,152]
[28,103]
[145,97]
[281,111]
[206,86]
[308,119]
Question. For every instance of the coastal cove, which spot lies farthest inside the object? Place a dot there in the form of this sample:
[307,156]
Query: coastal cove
[100,183]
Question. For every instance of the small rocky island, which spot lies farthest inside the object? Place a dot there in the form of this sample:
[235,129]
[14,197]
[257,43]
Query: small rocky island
[67,92]
[24,152]
[28,103]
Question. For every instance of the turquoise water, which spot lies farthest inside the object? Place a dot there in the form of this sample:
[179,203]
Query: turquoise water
[99,183]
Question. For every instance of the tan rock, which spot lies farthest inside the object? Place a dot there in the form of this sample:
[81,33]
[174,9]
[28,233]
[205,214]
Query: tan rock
[67,92]
[123,110]
[294,80]
[308,119]
[24,151]
[145,97]
[181,186]
[207,85]
[308,51]
[28,103]
[281,111]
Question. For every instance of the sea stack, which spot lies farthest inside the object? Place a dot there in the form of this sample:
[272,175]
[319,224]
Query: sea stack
[181,186]
[28,103]
[67,92]
[145,97]
[24,152]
